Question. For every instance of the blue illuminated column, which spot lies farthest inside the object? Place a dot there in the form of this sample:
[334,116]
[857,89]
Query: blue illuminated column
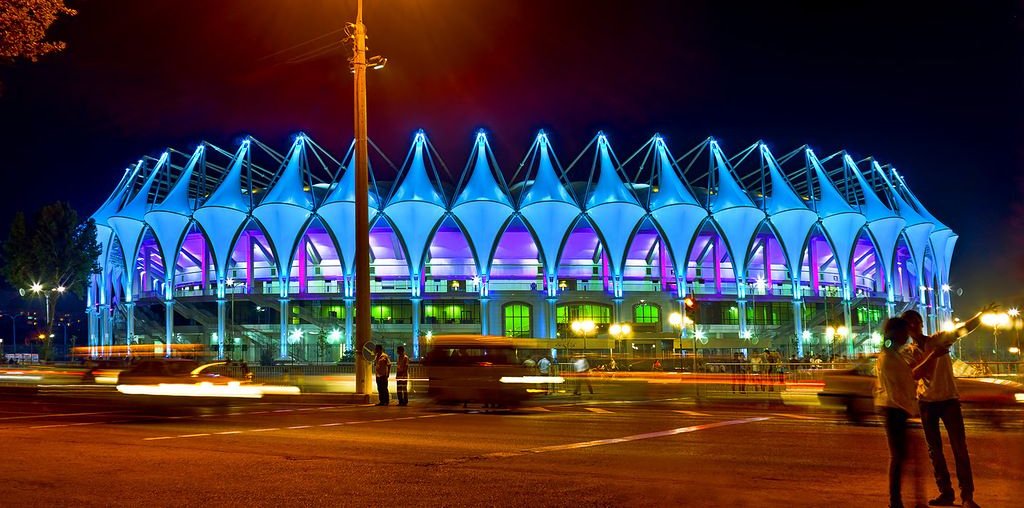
[168,316]
[741,305]
[552,318]
[484,315]
[93,325]
[348,323]
[221,316]
[415,326]
[847,321]
[129,322]
[283,299]
[890,297]
[798,315]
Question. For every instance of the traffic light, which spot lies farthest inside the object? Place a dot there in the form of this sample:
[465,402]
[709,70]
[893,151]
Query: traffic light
[689,303]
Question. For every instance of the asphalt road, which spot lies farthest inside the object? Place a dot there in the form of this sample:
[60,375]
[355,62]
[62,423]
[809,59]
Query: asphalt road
[94,449]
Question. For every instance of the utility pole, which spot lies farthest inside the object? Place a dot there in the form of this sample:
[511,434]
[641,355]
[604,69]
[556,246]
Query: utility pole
[362,225]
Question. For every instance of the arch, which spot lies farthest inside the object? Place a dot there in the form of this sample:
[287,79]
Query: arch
[647,265]
[450,255]
[904,273]
[252,259]
[193,266]
[318,266]
[820,266]
[711,259]
[516,263]
[517,319]
[388,258]
[767,261]
[149,268]
[582,259]
[646,317]
[867,274]
[288,237]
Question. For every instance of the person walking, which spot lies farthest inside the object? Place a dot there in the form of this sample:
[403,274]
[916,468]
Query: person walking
[896,397]
[939,400]
[582,367]
[544,369]
[402,377]
[382,371]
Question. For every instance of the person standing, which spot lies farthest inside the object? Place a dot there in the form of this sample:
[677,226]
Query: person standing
[895,397]
[402,377]
[939,400]
[382,371]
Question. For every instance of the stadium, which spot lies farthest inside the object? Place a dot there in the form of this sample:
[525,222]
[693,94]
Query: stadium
[245,253]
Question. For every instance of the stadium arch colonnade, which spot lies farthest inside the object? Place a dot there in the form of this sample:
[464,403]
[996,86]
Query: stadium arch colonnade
[245,252]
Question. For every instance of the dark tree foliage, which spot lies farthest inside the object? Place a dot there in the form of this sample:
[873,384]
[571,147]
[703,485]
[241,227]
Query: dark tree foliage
[23,27]
[54,250]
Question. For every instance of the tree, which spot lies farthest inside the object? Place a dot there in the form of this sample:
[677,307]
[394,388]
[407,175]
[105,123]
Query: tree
[23,27]
[54,250]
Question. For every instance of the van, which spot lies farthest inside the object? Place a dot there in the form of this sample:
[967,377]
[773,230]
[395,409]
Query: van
[475,369]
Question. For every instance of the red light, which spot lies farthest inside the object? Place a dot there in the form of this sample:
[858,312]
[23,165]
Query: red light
[688,302]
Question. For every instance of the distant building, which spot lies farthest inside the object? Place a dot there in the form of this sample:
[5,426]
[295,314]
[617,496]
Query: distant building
[806,255]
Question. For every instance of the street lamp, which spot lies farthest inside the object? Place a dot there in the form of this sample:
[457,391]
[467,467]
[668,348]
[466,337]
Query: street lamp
[583,327]
[680,322]
[619,331]
[996,320]
[362,193]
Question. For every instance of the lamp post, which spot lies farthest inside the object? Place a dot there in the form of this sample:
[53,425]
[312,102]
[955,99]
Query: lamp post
[361,263]
[842,332]
[583,327]
[680,322]
[995,320]
[619,331]
[1018,324]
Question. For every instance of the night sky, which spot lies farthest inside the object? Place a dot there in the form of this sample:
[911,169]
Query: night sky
[935,90]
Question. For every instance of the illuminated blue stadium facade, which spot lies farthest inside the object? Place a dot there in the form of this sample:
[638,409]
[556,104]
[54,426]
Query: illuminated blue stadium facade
[246,253]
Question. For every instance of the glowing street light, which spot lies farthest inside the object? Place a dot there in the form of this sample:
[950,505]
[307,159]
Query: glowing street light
[583,327]
[996,320]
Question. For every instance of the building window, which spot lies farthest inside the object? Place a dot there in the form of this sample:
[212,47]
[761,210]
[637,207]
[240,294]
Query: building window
[517,320]
[452,312]
[601,315]
[646,314]
[391,312]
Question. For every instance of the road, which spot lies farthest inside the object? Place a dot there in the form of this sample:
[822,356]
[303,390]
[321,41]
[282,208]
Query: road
[89,449]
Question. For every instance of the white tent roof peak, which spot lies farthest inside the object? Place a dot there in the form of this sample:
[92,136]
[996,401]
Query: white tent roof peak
[546,205]
[481,184]
[733,211]
[416,206]
[610,187]
[547,184]
[612,207]
[228,193]
[116,198]
[291,185]
[673,207]
[482,207]
[177,198]
[788,214]
[830,202]
[138,205]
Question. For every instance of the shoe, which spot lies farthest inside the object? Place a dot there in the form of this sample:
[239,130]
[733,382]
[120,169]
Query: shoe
[969,503]
[944,499]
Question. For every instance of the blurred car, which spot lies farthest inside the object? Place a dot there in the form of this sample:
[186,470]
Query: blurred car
[465,369]
[179,377]
[852,391]
[103,372]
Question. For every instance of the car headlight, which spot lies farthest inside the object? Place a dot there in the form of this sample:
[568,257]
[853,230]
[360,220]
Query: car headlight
[1019,397]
